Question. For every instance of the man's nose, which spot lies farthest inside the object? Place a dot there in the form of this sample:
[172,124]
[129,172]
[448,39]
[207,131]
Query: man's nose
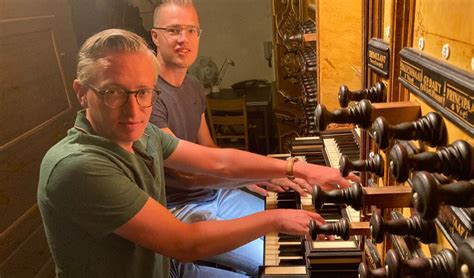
[183,35]
[132,103]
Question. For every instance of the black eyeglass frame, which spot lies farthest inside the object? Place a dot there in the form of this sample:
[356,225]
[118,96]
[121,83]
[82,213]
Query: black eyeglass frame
[199,30]
[103,92]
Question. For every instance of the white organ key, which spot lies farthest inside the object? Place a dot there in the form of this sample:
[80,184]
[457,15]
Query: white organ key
[306,200]
[332,152]
[357,130]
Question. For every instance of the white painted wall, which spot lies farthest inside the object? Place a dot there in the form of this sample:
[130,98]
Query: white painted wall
[235,29]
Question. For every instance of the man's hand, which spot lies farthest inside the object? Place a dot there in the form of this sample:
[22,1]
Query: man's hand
[326,177]
[280,185]
[295,222]
[299,185]
[263,188]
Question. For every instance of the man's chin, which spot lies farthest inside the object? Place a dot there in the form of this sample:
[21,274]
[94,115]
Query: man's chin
[132,134]
[185,62]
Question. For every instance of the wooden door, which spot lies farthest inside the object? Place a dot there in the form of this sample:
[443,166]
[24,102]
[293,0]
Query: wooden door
[37,106]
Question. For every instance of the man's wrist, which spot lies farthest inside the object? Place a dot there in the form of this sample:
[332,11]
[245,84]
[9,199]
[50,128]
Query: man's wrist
[290,163]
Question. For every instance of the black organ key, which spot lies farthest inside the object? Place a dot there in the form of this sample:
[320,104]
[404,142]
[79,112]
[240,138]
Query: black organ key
[288,238]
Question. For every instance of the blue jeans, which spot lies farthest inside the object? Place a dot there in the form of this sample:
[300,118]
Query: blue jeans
[190,270]
[229,204]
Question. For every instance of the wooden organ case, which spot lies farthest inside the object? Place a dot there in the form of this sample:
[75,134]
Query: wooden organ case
[424,56]
[416,140]
[294,43]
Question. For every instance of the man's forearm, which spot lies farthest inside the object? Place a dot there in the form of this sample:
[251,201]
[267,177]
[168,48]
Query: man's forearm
[187,180]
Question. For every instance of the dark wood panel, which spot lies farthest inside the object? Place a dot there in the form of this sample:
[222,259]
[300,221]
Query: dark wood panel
[47,271]
[18,231]
[20,264]
[37,106]
[33,83]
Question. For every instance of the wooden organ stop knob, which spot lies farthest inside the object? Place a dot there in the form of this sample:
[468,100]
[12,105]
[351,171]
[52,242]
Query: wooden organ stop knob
[342,228]
[364,113]
[430,129]
[465,258]
[455,160]
[373,164]
[358,114]
[441,264]
[357,196]
[374,94]
[414,226]
[366,272]
[430,194]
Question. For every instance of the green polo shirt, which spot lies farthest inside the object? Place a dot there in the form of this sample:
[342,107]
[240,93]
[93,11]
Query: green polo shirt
[88,187]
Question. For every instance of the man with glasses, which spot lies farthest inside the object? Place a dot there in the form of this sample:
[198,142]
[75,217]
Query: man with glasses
[180,111]
[101,189]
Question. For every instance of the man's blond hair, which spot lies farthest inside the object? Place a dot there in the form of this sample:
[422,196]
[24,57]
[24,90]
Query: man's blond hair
[97,47]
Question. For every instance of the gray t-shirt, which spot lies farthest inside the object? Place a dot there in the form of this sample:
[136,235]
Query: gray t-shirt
[88,187]
[180,109]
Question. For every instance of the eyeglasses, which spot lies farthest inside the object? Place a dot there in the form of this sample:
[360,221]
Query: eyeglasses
[176,30]
[117,98]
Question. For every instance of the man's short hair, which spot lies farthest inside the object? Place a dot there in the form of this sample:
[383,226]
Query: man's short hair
[164,3]
[97,46]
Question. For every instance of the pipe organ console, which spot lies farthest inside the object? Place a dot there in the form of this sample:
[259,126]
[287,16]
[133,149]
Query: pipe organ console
[374,164]
[414,226]
[358,114]
[300,31]
[366,272]
[445,263]
[309,58]
[364,113]
[284,254]
[429,194]
[372,264]
[374,94]
[341,143]
[455,161]
[441,264]
[357,196]
[320,257]
[430,129]
[438,170]
[342,228]
[296,66]
[415,147]
[465,258]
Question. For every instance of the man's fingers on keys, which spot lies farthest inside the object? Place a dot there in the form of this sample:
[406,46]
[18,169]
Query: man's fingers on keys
[317,218]
[343,183]
[353,177]
[303,183]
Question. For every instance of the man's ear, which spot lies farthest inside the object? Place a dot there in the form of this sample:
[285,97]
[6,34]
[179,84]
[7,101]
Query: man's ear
[81,92]
[154,37]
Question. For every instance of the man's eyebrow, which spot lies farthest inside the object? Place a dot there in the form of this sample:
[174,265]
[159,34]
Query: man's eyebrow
[112,86]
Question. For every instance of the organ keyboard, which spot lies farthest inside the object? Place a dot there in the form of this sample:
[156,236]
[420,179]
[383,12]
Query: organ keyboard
[327,149]
[296,256]
[284,255]
[341,142]
[338,143]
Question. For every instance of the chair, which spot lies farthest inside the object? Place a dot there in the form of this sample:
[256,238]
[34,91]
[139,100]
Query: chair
[228,122]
